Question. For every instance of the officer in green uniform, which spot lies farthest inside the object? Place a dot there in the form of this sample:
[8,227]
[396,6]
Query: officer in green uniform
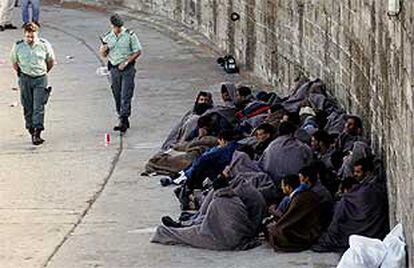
[32,59]
[122,48]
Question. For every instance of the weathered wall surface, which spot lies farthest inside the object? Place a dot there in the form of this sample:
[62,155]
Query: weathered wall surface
[365,56]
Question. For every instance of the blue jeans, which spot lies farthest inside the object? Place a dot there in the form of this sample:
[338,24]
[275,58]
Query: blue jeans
[35,4]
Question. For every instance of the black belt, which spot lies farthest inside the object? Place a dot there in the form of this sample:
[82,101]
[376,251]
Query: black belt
[110,65]
[34,77]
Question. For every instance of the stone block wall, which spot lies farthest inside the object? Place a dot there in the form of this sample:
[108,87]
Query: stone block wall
[365,56]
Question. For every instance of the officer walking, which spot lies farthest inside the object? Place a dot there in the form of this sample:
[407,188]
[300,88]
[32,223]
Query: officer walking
[122,48]
[32,59]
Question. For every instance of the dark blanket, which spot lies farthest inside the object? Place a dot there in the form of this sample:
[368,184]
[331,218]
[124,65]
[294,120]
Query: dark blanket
[363,211]
[285,155]
[179,158]
[181,130]
[326,202]
[243,168]
[292,102]
[231,222]
[299,227]
[335,122]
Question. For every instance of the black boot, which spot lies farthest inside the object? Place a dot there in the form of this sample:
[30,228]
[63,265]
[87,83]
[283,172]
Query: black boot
[10,26]
[36,139]
[123,125]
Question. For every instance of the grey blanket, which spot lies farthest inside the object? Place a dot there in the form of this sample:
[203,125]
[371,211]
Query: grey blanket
[231,222]
[181,130]
[285,155]
[360,150]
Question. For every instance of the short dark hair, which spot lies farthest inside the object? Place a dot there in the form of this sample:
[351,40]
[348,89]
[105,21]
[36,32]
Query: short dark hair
[292,180]
[276,107]
[224,88]
[244,91]
[347,183]
[323,136]
[247,150]
[366,163]
[205,121]
[266,127]
[286,128]
[203,93]
[357,120]
[227,135]
[116,20]
[310,172]
[293,117]
[31,28]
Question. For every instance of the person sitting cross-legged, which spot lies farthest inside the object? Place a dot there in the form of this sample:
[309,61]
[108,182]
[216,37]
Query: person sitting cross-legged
[297,225]
[209,165]
[362,210]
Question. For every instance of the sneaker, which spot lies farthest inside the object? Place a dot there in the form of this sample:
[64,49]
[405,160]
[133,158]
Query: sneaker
[166,181]
[169,222]
[180,180]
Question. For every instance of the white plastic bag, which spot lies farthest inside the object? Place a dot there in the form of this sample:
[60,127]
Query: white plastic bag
[364,252]
[102,71]
[395,244]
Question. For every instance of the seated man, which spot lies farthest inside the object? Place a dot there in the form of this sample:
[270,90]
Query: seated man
[308,120]
[228,94]
[285,155]
[362,210]
[210,124]
[179,157]
[353,132]
[209,165]
[309,176]
[243,97]
[321,147]
[230,221]
[183,128]
[298,227]
[264,135]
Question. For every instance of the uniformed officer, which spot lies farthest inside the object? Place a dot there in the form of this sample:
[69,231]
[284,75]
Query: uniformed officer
[32,59]
[122,48]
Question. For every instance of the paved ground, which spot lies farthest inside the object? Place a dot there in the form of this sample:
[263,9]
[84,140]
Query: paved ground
[75,202]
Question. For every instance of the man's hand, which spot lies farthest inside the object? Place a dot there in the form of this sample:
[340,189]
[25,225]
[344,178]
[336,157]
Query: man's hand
[104,50]
[202,132]
[272,209]
[123,65]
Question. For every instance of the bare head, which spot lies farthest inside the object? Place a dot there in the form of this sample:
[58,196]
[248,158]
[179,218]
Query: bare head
[31,33]
[116,23]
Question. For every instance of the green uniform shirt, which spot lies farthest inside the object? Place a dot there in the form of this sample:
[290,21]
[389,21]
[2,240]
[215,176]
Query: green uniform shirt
[122,46]
[32,58]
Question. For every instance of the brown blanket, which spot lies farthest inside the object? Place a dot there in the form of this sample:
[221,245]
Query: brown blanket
[180,157]
[299,227]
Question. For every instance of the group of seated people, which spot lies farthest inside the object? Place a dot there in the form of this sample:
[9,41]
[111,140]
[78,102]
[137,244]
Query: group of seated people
[296,171]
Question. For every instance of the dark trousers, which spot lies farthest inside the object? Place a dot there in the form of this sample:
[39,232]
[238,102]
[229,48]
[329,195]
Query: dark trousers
[123,89]
[33,97]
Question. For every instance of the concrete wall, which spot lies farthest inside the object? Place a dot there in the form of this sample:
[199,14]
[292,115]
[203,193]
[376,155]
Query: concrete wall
[365,56]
